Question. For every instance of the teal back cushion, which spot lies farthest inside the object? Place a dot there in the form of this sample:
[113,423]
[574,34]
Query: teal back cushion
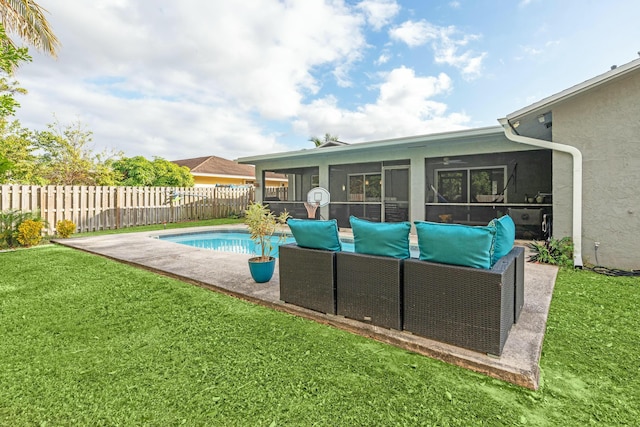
[505,237]
[455,244]
[316,234]
[381,238]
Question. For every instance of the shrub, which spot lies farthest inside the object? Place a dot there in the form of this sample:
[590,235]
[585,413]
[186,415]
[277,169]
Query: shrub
[30,232]
[554,251]
[65,228]
[10,221]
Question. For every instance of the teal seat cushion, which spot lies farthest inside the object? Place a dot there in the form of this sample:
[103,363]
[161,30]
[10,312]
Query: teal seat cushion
[505,237]
[316,234]
[381,238]
[455,244]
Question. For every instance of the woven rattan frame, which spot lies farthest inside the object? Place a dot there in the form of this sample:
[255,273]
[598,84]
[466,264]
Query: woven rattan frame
[467,307]
[307,278]
[518,254]
[369,289]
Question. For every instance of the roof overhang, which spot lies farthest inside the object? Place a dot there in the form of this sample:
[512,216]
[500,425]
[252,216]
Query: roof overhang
[381,145]
[536,119]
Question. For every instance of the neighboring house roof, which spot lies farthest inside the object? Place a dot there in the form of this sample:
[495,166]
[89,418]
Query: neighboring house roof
[332,144]
[218,166]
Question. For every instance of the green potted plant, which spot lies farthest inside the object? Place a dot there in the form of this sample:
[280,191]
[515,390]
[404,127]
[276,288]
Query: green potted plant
[263,224]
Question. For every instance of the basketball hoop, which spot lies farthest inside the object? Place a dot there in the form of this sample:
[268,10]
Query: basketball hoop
[317,197]
[311,209]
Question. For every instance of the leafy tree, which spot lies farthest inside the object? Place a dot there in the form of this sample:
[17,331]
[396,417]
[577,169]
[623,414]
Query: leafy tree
[169,174]
[66,159]
[10,58]
[5,165]
[26,18]
[16,147]
[134,171]
[11,136]
[138,171]
[327,138]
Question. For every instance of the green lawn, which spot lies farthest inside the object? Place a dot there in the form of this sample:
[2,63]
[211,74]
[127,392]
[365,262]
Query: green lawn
[88,341]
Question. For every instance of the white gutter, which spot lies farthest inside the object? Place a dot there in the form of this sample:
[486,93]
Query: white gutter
[577,181]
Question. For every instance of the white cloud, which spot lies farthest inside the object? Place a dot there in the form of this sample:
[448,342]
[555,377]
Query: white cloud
[148,76]
[383,58]
[446,43]
[379,12]
[404,106]
[414,33]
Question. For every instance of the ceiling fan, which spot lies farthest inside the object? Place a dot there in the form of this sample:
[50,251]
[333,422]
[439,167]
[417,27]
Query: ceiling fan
[449,161]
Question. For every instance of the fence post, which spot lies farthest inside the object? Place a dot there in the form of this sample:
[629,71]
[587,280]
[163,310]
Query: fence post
[118,205]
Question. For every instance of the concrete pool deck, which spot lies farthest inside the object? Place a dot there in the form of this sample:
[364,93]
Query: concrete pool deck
[228,273]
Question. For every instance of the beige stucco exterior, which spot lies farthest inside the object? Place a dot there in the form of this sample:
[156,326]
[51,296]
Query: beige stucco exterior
[604,124]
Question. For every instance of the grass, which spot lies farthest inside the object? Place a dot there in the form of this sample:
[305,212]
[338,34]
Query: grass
[88,341]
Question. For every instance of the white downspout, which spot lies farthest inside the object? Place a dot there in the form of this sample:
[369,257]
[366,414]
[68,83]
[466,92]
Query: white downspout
[577,181]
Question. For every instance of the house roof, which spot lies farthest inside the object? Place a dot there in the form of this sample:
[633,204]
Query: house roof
[599,80]
[535,120]
[387,144]
[218,166]
[332,144]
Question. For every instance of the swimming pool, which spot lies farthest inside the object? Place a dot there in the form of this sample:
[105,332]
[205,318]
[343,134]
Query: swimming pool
[230,241]
[238,242]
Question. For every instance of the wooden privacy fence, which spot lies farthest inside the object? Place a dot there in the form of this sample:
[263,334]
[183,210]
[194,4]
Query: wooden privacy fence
[103,208]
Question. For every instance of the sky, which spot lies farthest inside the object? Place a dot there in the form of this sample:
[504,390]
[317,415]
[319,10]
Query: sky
[182,79]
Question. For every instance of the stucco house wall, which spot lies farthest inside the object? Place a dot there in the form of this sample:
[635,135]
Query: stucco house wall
[604,124]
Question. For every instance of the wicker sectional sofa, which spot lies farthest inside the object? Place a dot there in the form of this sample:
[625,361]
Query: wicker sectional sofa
[463,306]
[468,307]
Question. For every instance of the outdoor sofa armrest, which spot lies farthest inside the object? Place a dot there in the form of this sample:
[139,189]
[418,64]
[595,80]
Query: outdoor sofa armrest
[308,278]
[467,307]
[517,254]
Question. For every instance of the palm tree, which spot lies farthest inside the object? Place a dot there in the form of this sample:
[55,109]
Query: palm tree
[26,19]
[327,138]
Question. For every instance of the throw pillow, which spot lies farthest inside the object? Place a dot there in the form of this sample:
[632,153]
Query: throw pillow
[505,237]
[316,234]
[381,238]
[455,244]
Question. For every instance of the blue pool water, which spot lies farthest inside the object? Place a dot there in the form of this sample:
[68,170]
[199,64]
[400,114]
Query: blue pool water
[236,242]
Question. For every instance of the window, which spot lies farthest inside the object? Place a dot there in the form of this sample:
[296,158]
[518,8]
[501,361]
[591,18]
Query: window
[472,185]
[315,181]
[365,187]
[452,186]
